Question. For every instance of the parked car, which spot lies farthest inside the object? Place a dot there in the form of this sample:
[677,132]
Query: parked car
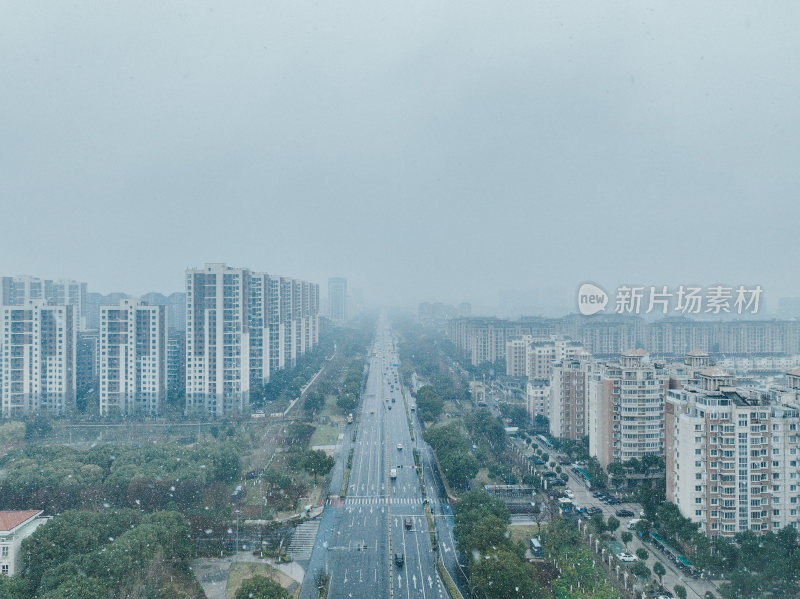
[626,557]
[624,514]
[593,510]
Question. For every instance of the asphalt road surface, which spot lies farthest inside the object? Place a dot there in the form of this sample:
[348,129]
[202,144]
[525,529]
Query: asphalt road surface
[382,516]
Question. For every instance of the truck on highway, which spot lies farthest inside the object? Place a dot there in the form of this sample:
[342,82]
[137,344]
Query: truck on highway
[393,473]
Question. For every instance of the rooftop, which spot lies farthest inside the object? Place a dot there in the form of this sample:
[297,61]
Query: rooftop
[635,352]
[9,520]
[714,371]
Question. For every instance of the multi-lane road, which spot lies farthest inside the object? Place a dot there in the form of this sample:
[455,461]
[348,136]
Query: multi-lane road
[382,516]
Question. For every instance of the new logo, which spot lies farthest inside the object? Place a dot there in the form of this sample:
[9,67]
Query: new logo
[591,299]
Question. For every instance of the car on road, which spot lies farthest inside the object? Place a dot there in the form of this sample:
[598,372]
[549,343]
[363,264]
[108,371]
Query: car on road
[399,558]
[626,557]
[400,448]
[372,411]
[393,473]
[407,522]
[624,514]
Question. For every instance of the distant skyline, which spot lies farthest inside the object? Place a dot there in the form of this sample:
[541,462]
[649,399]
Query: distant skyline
[425,152]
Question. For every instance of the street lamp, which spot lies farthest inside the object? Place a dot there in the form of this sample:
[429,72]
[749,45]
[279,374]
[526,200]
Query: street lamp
[237,530]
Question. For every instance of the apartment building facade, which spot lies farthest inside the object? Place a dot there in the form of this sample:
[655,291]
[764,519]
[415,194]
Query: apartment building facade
[568,406]
[537,398]
[626,408]
[337,299]
[242,326]
[133,359]
[607,335]
[732,456]
[18,290]
[38,367]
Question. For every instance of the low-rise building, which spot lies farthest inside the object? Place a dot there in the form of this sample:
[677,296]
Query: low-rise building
[15,527]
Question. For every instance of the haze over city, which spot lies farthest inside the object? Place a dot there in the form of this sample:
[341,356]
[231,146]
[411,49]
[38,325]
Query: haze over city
[426,152]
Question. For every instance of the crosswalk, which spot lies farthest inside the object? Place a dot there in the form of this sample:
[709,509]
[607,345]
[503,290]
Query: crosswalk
[303,540]
[382,500]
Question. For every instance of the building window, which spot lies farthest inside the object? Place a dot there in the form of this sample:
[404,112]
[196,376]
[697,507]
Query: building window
[4,551]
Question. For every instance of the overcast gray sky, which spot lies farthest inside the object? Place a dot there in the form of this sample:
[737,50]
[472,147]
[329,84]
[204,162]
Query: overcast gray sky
[425,150]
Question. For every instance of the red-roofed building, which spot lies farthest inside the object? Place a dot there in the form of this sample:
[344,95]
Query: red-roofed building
[15,526]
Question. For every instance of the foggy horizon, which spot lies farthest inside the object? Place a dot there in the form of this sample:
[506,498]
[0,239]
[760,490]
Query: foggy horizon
[429,153]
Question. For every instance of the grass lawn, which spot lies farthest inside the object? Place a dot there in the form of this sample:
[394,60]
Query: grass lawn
[523,532]
[452,408]
[331,411]
[325,435]
[242,570]
[482,478]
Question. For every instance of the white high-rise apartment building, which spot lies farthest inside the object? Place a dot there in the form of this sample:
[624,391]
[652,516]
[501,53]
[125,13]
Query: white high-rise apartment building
[242,326]
[217,339]
[17,291]
[732,456]
[626,408]
[133,358]
[38,346]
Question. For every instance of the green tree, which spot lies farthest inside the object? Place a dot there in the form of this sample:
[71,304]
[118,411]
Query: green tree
[626,538]
[598,522]
[79,587]
[501,575]
[459,469]
[642,554]
[680,591]
[429,403]
[346,402]
[317,462]
[38,426]
[260,587]
[641,570]
[482,535]
[659,570]
[612,524]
